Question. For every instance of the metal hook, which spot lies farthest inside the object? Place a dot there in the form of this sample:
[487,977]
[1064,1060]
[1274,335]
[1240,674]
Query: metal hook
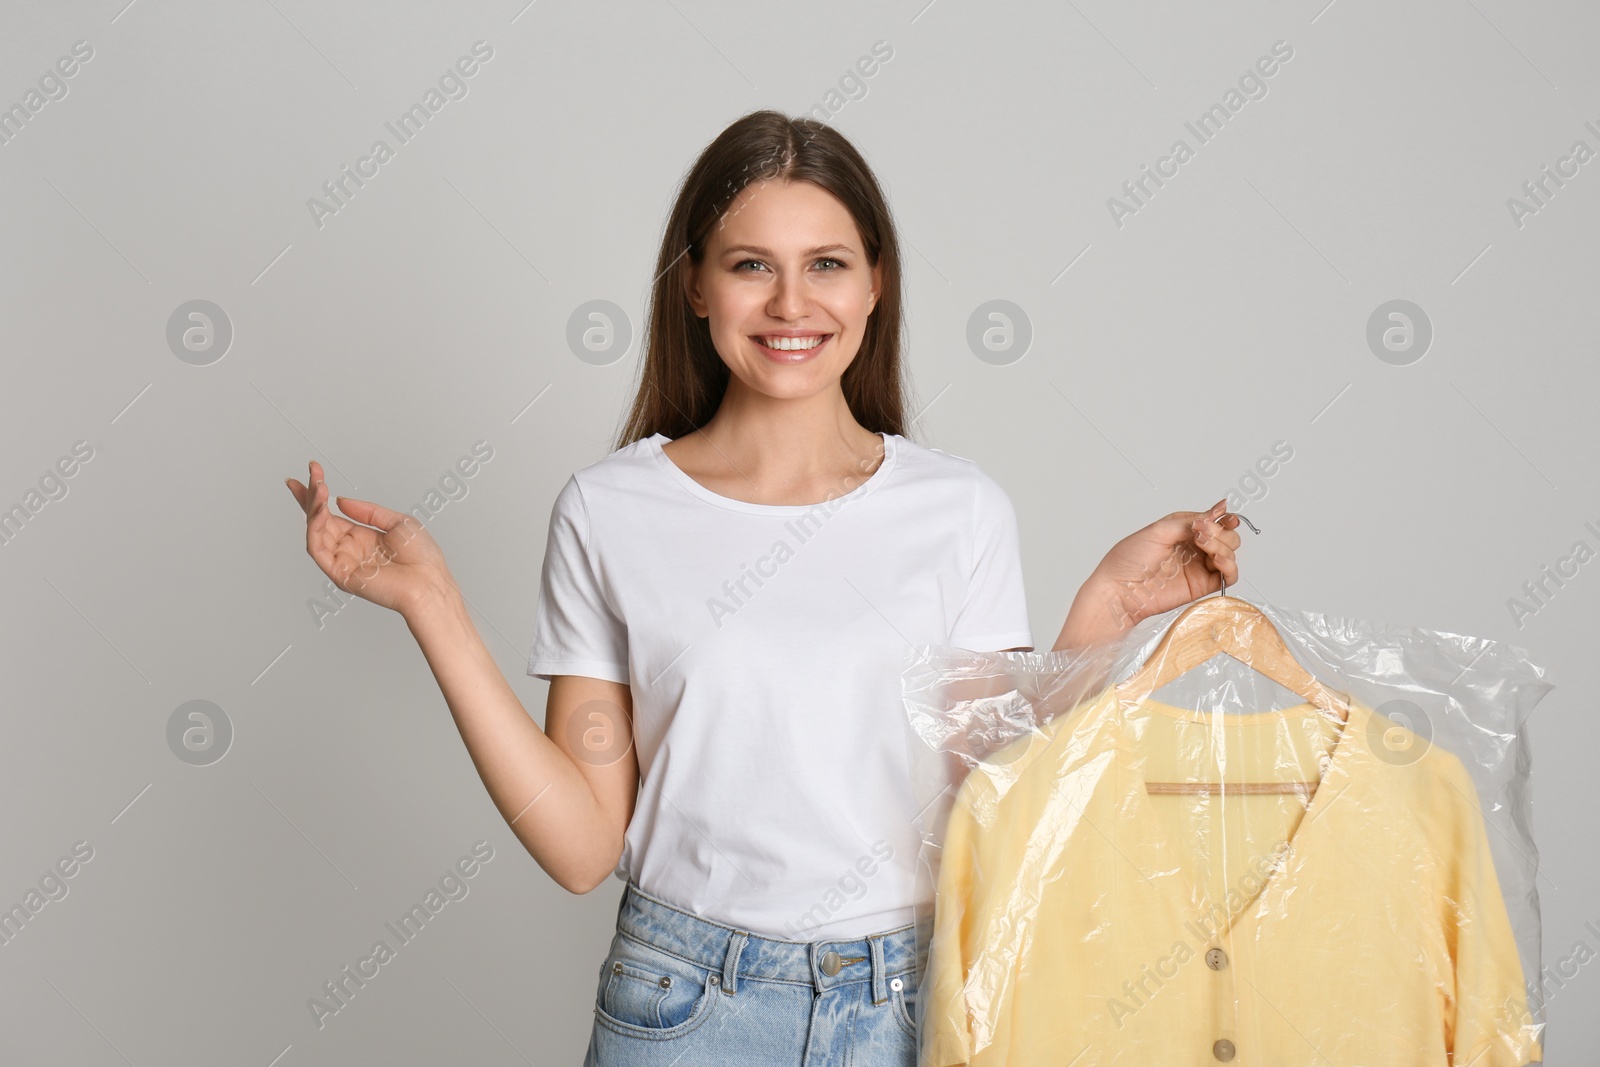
[1253,529]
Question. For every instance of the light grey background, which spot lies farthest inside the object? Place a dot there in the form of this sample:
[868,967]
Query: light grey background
[1168,355]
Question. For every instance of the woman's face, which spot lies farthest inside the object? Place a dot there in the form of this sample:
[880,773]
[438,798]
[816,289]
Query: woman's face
[785,268]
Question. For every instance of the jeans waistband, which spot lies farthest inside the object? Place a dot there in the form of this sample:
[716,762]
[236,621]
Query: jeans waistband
[878,958]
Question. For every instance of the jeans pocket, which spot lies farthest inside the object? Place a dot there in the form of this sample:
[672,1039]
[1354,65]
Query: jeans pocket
[904,1002]
[645,992]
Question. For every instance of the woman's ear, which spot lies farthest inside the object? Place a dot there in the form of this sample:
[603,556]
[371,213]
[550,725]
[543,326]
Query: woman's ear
[691,291]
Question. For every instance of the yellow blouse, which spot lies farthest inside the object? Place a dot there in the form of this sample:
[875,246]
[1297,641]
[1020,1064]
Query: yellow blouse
[1083,921]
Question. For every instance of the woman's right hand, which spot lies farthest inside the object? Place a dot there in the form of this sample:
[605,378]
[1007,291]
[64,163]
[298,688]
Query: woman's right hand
[395,565]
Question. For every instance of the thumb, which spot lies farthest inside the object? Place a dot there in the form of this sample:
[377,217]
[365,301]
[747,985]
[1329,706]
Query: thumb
[1214,513]
[369,513]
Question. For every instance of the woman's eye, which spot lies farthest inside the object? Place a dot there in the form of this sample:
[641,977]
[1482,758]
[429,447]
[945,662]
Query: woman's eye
[742,264]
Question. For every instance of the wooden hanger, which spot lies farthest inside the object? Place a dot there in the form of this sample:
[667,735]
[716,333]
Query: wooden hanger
[1238,628]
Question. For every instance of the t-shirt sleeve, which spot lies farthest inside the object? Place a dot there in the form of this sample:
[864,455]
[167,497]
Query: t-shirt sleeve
[1487,1023]
[994,614]
[575,630]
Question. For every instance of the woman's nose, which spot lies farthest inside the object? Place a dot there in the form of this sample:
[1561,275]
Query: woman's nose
[789,300]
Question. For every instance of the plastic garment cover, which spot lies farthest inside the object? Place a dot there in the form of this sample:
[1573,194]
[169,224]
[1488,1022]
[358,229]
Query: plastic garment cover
[1224,868]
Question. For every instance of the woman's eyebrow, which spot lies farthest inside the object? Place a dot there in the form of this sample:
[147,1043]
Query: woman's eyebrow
[757,250]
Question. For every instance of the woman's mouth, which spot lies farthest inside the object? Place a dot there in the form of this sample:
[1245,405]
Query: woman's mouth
[791,349]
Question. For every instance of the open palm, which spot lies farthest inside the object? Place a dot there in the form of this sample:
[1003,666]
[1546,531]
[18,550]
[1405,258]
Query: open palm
[392,560]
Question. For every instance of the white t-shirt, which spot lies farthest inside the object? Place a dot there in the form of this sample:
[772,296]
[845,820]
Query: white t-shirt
[763,646]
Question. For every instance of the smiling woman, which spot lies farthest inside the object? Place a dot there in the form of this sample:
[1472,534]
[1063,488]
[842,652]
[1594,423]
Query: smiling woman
[785,322]
[731,761]
[769,427]
[787,235]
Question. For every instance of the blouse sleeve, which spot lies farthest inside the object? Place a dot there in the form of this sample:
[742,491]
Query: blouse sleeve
[1487,1022]
[994,614]
[946,1023]
[575,629]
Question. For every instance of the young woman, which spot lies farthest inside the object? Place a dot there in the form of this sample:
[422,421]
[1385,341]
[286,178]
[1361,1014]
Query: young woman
[726,601]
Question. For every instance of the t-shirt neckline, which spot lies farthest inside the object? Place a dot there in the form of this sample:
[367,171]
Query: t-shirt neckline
[677,474]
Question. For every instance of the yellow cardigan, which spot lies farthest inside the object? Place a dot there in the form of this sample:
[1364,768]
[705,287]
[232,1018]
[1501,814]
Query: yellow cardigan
[1080,921]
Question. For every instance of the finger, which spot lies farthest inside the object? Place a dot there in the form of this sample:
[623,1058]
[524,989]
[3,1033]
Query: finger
[313,483]
[1221,560]
[321,538]
[1223,563]
[1218,515]
[1208,531]
[302,494]
[1178,527]
[319,489]
[317,517]
[1198,520]
[1215,511]
[1209,536]
[369,513]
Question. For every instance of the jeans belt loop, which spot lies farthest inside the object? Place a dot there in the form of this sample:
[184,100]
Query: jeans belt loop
[730,965]
[880,982]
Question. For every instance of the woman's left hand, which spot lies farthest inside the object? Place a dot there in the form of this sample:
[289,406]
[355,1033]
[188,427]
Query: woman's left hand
[1176,559]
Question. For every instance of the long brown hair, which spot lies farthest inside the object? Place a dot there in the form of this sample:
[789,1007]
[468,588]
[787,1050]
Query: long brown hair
[681,378]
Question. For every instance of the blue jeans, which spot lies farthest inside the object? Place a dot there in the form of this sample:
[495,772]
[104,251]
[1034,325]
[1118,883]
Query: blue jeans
[678,989]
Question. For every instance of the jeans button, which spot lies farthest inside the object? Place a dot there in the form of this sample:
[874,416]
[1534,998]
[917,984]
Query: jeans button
[831,963]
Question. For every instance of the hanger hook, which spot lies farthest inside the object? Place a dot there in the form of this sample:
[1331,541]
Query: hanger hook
[1247,522]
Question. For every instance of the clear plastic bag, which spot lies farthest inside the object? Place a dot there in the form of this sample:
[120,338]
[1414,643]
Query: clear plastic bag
[1334,872]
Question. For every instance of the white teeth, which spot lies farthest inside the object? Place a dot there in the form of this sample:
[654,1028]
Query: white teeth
[792,344]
